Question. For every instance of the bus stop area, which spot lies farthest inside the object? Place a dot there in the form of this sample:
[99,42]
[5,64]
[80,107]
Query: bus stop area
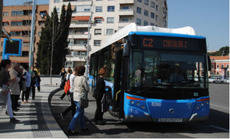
[36,119]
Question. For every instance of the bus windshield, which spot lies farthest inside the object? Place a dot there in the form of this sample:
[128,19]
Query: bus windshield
[162,69]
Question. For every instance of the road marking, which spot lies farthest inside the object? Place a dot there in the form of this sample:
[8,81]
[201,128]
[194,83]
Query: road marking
[220,128]
[219,107]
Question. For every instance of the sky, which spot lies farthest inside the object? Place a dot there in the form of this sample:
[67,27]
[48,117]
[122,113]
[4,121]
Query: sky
[209,18]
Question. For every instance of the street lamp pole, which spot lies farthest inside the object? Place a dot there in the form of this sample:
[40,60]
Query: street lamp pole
[88,46]
[52,49]
[31,54]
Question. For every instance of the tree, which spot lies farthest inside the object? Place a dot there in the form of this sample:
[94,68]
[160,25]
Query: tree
[223,51]
[58,31]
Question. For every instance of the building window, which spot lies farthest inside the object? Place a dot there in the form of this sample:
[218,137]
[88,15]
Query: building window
[152,4]
[5,14]
[156,17]
[139,10]
[109,31]
[156,7]
[152,15]
[146,23]
[98,9]
[25,53]
[110,8]
[97,43]
[146,2]
[16,23]
[17,13]
[83,8]
[139,0]
[146,13]
[97,32]
[110,19]
[125,8]
[124,19]
[5,23]
[138,21]
[98,20]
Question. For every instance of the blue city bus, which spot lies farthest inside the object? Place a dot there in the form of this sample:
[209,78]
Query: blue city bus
[155,76]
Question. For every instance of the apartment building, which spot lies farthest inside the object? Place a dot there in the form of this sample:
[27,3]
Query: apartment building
[107,17]
[17,22]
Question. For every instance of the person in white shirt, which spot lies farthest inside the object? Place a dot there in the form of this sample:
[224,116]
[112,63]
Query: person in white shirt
[72,107]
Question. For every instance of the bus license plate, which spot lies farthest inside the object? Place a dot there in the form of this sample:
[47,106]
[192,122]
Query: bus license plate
[170,120]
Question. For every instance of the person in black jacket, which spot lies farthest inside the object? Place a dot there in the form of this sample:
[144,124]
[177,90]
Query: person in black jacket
[100,90]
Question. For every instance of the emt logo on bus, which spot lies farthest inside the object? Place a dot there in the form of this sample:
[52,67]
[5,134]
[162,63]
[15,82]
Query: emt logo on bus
[150,43]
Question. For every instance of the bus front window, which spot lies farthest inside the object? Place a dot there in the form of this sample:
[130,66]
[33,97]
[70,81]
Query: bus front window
[161,69]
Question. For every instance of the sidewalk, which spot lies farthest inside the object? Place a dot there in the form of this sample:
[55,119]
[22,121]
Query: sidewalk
[36,119]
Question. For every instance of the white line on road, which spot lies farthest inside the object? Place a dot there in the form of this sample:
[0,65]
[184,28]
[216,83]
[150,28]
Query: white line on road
[220,128]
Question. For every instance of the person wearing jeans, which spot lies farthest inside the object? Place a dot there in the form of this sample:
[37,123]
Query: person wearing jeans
[81,89]
[4,84]
[27,77]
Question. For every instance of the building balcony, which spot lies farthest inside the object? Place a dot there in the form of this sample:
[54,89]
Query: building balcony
[78,25]
[78,36]
[126,12]
[126,1]
[77,47]
[75,58]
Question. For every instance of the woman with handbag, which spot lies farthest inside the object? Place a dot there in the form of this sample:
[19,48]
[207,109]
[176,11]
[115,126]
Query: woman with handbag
[5,91]
[80,96]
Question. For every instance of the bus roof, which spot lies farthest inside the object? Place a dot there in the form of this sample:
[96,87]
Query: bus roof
[166,34]
[132,28]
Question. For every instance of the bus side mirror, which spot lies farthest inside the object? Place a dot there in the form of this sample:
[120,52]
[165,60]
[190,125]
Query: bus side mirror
[126,50]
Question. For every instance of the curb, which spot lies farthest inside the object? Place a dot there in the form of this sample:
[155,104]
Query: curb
[54,128]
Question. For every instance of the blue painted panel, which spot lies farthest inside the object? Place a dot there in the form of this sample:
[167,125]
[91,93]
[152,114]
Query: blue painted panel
[158,108]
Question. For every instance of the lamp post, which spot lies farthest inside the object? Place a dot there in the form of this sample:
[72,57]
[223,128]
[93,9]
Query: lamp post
[31,53]
[89,36]
[51,57]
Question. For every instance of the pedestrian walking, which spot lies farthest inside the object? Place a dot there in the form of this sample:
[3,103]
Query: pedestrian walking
[66,92]
[72,107]
[27,77]
[99,92]
[14,86]
[5,91]
[80,93]
[37,80]
[33,83]
[63,75]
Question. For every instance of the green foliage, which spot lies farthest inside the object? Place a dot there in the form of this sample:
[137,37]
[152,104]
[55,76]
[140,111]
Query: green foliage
[223,51]
[58,31]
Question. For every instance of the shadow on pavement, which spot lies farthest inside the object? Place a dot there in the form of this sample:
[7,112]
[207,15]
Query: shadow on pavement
[119,129]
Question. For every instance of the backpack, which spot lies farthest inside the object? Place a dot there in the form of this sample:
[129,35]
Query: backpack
[67,86]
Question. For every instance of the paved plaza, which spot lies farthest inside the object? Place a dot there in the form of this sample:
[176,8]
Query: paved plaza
[36,119]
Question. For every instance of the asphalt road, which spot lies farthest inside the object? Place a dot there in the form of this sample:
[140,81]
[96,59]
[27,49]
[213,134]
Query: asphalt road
[216,127]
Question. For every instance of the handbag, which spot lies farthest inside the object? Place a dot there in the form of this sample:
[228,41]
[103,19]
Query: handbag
[84,102]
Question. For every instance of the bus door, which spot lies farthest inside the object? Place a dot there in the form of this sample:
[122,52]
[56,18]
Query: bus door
[117,82]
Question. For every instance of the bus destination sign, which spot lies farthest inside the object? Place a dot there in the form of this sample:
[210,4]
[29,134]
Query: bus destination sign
[172,43]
